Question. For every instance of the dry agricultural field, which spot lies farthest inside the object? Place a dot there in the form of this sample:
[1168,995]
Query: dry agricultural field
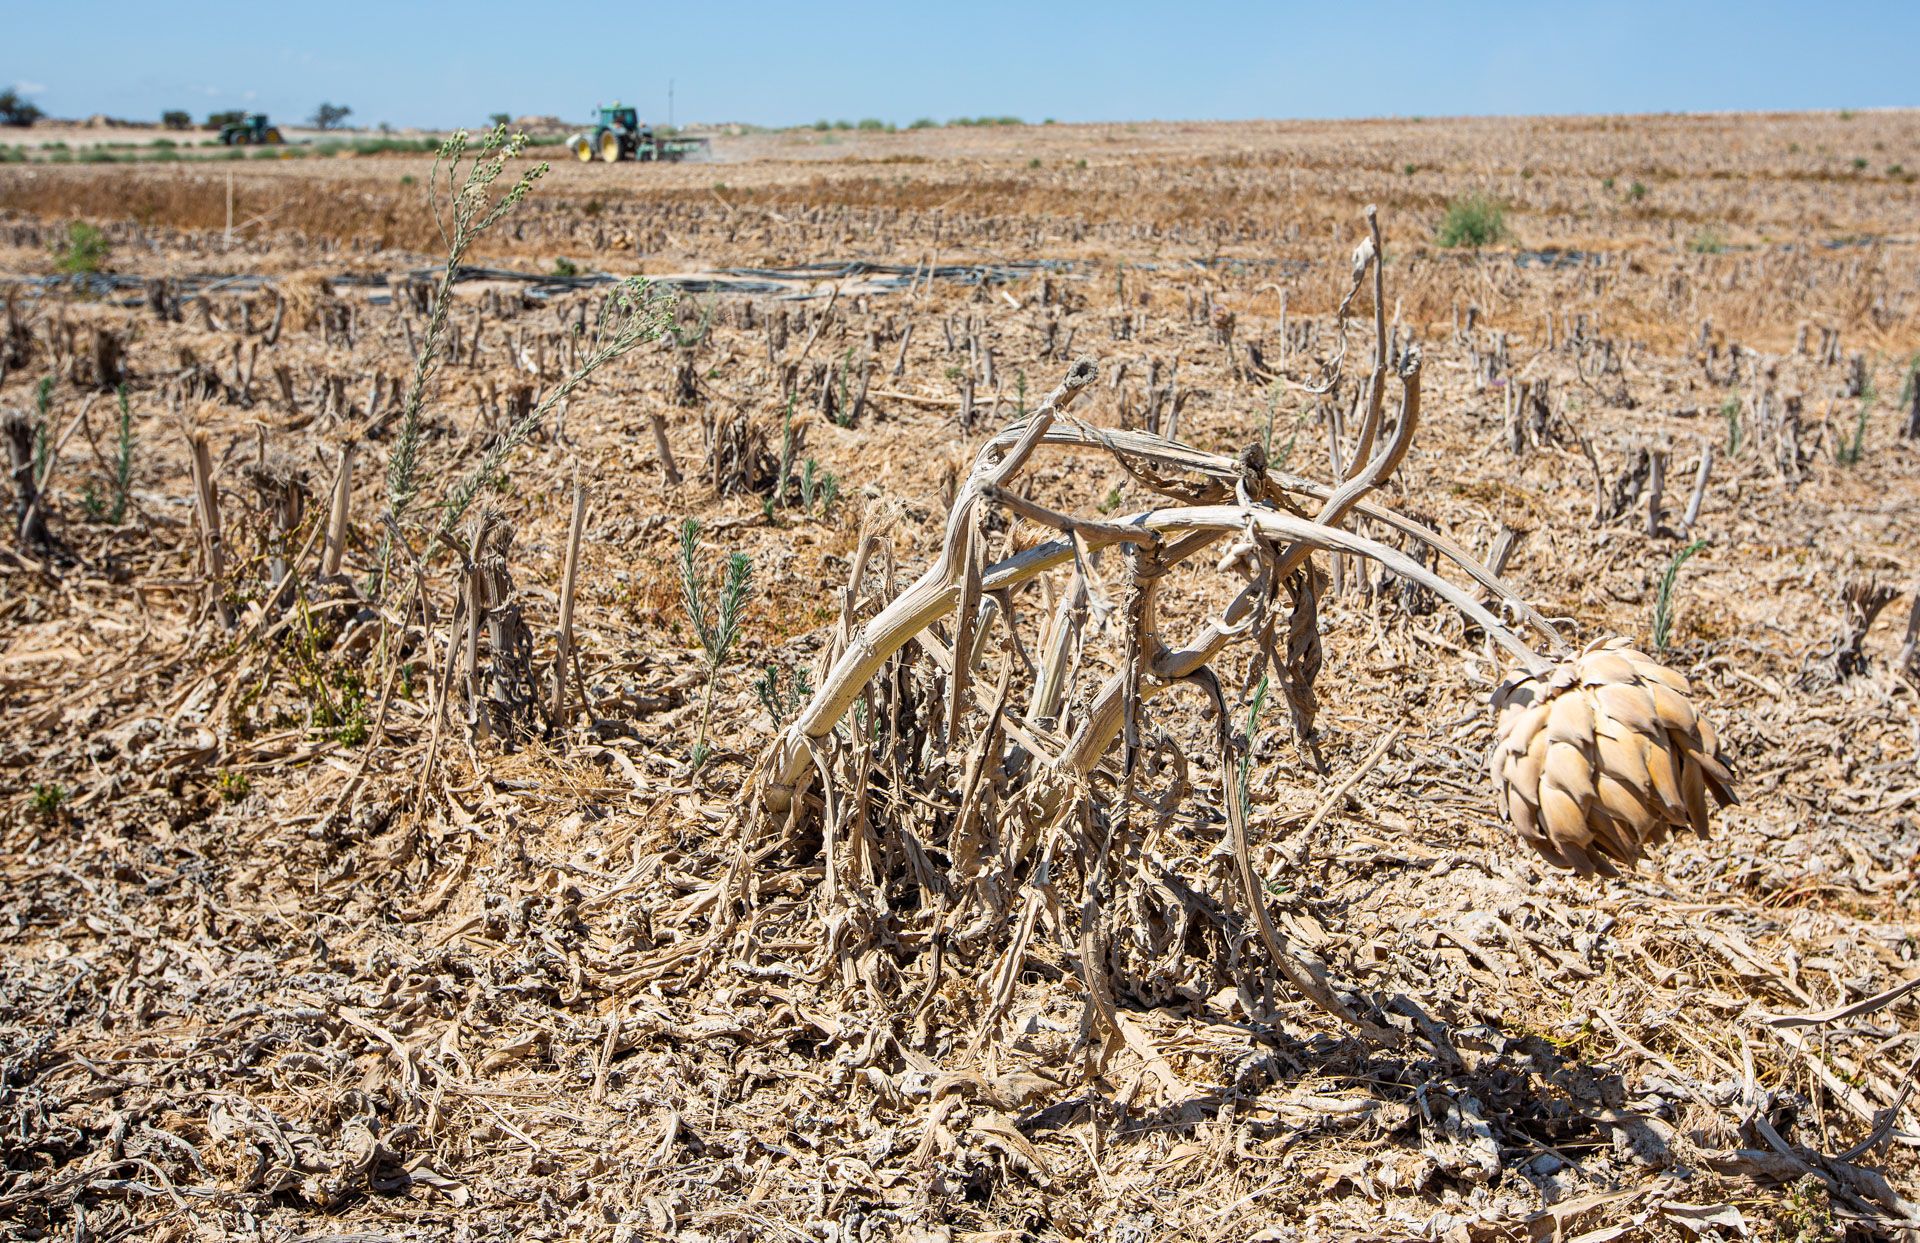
[393,850]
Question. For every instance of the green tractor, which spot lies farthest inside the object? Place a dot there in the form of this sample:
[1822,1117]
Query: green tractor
[251,130]
[621,135]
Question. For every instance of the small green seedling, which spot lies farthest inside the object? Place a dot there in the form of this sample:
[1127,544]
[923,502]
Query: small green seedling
[718,632]
[46,799]
[817,485]
[1663,602]
[782,706]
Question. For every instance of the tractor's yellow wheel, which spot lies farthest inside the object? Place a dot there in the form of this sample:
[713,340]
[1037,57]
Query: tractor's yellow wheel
[273,134]
[610,147]
[582,149]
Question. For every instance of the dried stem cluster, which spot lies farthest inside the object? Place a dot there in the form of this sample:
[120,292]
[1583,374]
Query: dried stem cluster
[370,914]
[948,815]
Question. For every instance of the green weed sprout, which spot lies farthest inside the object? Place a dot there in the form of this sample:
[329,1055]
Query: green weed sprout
[1663,602]
[817,485]
[98,510]
[633,313]
[47,798]
[786,456]
[718,633]
[470,210]
[782,707]
[464,207]
[1474,221]
[1849,452]
[43,406]
[86,250]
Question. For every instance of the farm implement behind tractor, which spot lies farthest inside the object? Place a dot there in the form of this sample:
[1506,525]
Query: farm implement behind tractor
[620,135]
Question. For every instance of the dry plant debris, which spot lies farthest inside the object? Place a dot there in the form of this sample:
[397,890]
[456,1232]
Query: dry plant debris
[1091,834]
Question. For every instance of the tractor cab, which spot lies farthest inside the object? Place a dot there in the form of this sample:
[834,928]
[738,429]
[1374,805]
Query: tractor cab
[624,118]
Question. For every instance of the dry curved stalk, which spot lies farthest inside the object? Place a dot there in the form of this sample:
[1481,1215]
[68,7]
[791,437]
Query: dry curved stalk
[937,591]
[986,806]
[1377,381]
[930,597]
[1145,446]
[1105,717]
[1312,984]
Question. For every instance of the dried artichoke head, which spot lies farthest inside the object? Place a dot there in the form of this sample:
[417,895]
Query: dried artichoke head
[1603,755]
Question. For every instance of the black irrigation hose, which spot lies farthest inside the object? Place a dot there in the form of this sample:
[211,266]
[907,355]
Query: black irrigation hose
[776,281]
[779,281]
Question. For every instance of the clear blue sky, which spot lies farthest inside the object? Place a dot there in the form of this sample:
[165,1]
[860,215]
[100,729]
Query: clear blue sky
[440,65]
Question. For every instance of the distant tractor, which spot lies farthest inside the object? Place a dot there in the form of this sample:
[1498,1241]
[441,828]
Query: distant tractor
[620,135]
[253,130]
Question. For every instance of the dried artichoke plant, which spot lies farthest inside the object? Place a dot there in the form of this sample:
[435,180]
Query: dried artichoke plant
[959,785]
[1598,758]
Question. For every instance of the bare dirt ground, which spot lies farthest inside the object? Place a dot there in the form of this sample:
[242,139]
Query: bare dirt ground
[299,945]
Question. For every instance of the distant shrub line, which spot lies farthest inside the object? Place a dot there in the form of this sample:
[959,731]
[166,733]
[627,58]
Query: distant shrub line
[872,124]
[167,151]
